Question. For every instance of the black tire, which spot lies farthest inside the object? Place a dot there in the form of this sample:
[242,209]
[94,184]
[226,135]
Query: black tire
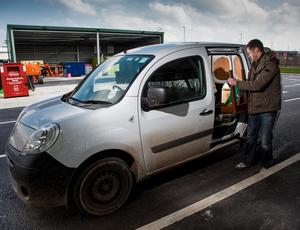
[103,187]
[40,80]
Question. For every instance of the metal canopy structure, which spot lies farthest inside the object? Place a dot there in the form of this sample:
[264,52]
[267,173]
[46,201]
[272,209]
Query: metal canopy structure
[35,37]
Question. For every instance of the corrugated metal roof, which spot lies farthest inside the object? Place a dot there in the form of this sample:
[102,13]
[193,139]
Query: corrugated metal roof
[80,29]
[29,34]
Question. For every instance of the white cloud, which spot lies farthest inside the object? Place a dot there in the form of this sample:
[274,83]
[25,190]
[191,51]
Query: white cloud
[230,21]
[174,13]
[81,6]
[216,21]
[241,9]
[204,20]
[286,14]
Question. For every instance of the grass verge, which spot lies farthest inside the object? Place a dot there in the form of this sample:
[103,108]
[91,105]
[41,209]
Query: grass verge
[290,70]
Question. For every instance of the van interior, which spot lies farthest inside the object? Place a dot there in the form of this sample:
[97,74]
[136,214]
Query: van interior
[230,103]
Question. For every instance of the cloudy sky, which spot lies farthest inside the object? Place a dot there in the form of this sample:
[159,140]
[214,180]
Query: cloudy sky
[275,22]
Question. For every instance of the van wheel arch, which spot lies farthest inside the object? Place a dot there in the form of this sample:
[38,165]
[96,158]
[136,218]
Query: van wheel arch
[119,154]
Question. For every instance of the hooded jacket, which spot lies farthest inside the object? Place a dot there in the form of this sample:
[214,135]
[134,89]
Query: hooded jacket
[263,85]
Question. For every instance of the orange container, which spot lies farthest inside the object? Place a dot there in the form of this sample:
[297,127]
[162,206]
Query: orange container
[33,69]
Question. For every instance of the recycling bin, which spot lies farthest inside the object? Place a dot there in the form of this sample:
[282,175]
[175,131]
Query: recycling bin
[14,80]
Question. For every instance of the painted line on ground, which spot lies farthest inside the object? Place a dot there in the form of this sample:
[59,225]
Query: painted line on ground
[1,156]
[284,91]
[287,86]
[7,122]
[292,99]
[291,79]
[219,196]
[288,76]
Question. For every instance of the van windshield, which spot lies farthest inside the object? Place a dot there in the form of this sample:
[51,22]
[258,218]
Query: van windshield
[109,82]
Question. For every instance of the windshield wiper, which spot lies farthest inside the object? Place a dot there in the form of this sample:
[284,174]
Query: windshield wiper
[89,101]
[96,102]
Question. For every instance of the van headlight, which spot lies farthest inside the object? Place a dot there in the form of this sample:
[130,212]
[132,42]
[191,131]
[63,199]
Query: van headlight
[41,139]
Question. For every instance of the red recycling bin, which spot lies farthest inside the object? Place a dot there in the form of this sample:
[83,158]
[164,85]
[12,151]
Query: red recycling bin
[14,80]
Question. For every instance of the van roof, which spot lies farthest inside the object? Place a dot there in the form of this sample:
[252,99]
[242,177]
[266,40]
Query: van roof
[164,49]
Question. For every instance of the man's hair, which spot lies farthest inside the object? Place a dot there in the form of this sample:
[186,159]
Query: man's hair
[255,43]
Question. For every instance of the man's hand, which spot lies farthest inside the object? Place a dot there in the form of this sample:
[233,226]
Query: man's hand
[231,81]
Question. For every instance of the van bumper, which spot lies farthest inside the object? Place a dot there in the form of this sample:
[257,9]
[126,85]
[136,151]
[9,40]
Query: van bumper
[38,180]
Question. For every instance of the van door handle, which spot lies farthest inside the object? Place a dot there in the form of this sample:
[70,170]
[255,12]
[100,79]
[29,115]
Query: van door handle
[206,112]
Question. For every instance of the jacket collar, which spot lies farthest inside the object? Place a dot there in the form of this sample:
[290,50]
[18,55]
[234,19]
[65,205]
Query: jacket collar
[264,59]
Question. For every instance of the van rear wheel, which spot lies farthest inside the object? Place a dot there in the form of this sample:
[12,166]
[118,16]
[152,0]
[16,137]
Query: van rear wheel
[103,187]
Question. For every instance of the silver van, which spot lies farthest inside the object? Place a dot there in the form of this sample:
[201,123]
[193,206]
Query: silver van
[140,112]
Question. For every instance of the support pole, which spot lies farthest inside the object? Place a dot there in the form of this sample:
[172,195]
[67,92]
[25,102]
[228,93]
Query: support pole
[98,49]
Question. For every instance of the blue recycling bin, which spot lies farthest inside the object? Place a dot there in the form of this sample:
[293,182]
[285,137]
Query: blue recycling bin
[75,68]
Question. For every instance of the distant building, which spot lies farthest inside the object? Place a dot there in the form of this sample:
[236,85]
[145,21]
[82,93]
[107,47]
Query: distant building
[56,44]
[288,58]
[3,54]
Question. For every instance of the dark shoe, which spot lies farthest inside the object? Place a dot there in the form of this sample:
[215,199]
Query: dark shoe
[268,165]
[262,169]
[241,165]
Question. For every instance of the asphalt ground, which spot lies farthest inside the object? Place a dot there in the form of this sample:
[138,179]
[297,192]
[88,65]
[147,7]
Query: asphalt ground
[272,203]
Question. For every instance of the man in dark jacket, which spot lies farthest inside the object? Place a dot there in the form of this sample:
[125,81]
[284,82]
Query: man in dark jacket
[264,101]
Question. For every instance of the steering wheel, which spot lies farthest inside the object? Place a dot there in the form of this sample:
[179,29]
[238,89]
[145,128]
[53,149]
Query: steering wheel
[118,87]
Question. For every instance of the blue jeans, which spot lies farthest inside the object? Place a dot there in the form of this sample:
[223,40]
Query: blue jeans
[262,124]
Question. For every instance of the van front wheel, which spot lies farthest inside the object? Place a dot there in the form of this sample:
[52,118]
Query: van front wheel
[103,187]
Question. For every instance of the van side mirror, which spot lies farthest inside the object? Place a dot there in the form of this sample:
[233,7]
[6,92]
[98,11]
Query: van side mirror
[157,96]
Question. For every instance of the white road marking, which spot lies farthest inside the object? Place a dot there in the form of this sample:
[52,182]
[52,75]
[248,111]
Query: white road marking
[1,156]
[291,85]
[215,198]
[291,79]
[292,99]
[6,122]
[284,91]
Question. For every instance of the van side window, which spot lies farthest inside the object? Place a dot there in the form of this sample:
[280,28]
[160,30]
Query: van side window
[184,77]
